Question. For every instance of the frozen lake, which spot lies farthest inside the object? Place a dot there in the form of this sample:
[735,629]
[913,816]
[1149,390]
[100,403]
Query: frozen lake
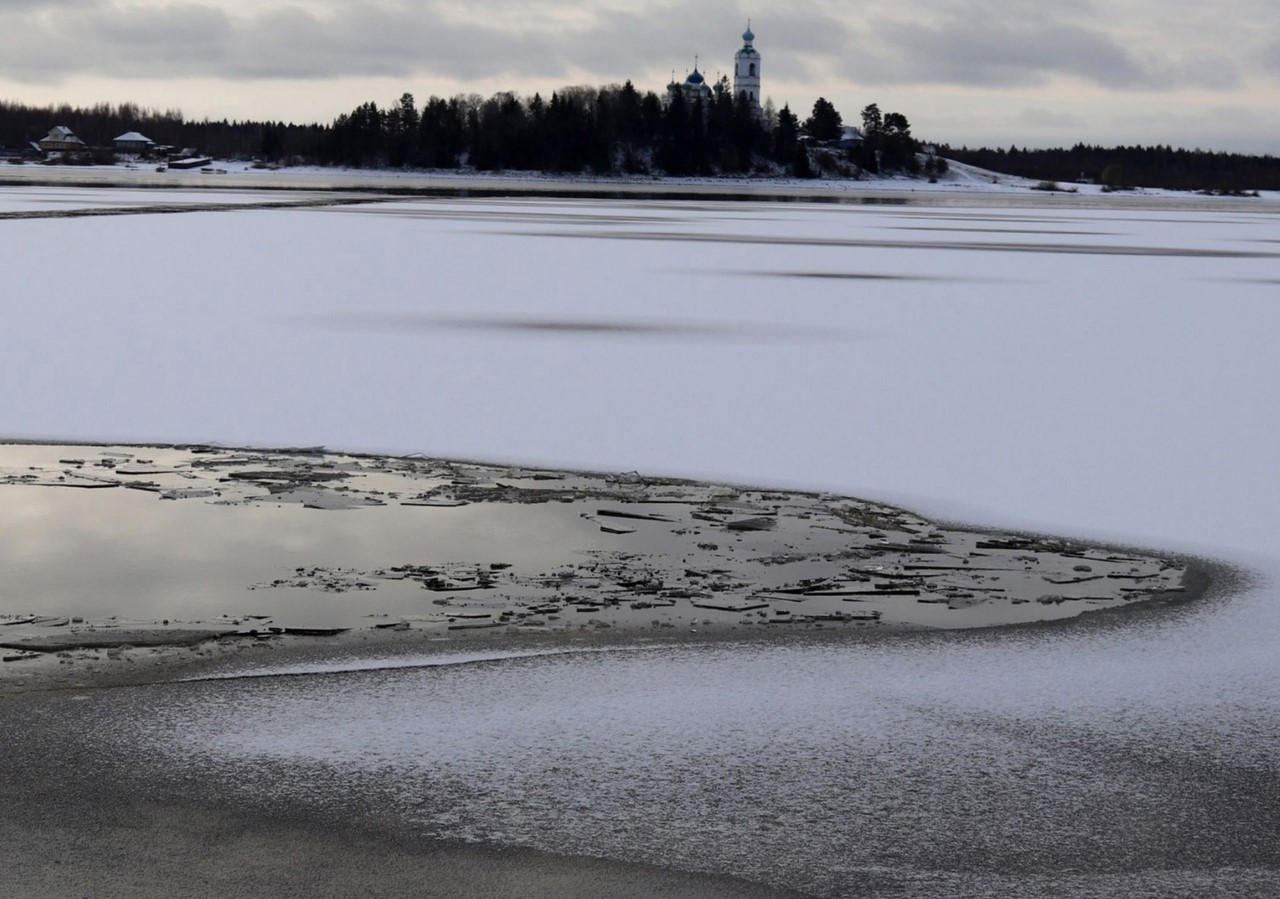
[1101,372]
[1098,371]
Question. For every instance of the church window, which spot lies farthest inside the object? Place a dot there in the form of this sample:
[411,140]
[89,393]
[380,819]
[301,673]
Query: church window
[753,70]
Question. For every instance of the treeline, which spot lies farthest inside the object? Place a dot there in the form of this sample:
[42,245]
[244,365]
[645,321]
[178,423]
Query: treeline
[99,125]
[1127,167]
[601,130]
[615,129]
[609,130]
[620,130]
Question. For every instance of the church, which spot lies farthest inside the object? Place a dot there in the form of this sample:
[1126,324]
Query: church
[746,77]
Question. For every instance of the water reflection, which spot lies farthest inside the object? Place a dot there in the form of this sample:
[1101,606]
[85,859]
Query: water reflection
[66,552]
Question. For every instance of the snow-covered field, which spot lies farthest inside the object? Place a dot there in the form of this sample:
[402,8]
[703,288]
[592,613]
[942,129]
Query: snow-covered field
[1104,372]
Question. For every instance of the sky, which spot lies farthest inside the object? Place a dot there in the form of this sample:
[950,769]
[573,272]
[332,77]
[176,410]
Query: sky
[976,72]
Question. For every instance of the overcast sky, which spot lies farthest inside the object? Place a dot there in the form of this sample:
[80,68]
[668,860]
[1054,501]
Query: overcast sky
[963,71]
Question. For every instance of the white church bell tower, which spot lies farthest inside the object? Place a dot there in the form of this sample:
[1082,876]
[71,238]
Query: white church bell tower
[746,70]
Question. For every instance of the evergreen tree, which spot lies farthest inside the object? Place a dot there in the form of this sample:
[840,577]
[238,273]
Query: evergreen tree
[825,122]
[628,115]
[897,147]
[271,147]
[872,121]
[785,135]
[720,132]
[749,136]
[800,165]
[673,149]
[402,128]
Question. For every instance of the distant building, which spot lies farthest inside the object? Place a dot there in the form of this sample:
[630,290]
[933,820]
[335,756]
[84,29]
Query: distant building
[694,87]
[746,70]
[61,140]
[134,144]
[746,78]
[850,138]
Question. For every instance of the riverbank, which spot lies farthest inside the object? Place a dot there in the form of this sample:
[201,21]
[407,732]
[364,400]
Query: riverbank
[965,185]
[137,564]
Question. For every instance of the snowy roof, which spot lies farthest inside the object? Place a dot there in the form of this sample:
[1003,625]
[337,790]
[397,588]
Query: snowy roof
[61,134]
[135,137]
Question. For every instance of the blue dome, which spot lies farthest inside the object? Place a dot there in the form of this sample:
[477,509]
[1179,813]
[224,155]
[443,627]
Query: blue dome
[748,36]
[695,78]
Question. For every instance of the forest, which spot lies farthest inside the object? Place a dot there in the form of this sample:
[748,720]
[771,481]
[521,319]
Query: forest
[616,129]
[98,125]
[1122,168]
[608,130]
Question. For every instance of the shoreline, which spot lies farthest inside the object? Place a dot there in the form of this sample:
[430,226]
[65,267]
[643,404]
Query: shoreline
[1206,579]
[973,188]
[47,655]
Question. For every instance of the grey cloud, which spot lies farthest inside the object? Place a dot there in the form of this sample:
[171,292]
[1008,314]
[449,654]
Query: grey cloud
[1214,74]
[955,42]
[635,42]
[1039,117]
[387,41]
[1271,56]
[1028,44]
[988,53]
[134,41]
[11,6]
[372,39]
[320,40]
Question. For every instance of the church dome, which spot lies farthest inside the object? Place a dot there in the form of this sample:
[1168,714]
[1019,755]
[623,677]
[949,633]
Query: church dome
[748,36]
[695,78]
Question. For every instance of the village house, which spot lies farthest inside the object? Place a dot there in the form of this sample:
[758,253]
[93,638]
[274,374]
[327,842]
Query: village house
[60,139]
[850,138]
[133,144]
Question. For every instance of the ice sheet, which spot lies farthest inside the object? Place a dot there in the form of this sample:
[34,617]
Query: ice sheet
[1099,371]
